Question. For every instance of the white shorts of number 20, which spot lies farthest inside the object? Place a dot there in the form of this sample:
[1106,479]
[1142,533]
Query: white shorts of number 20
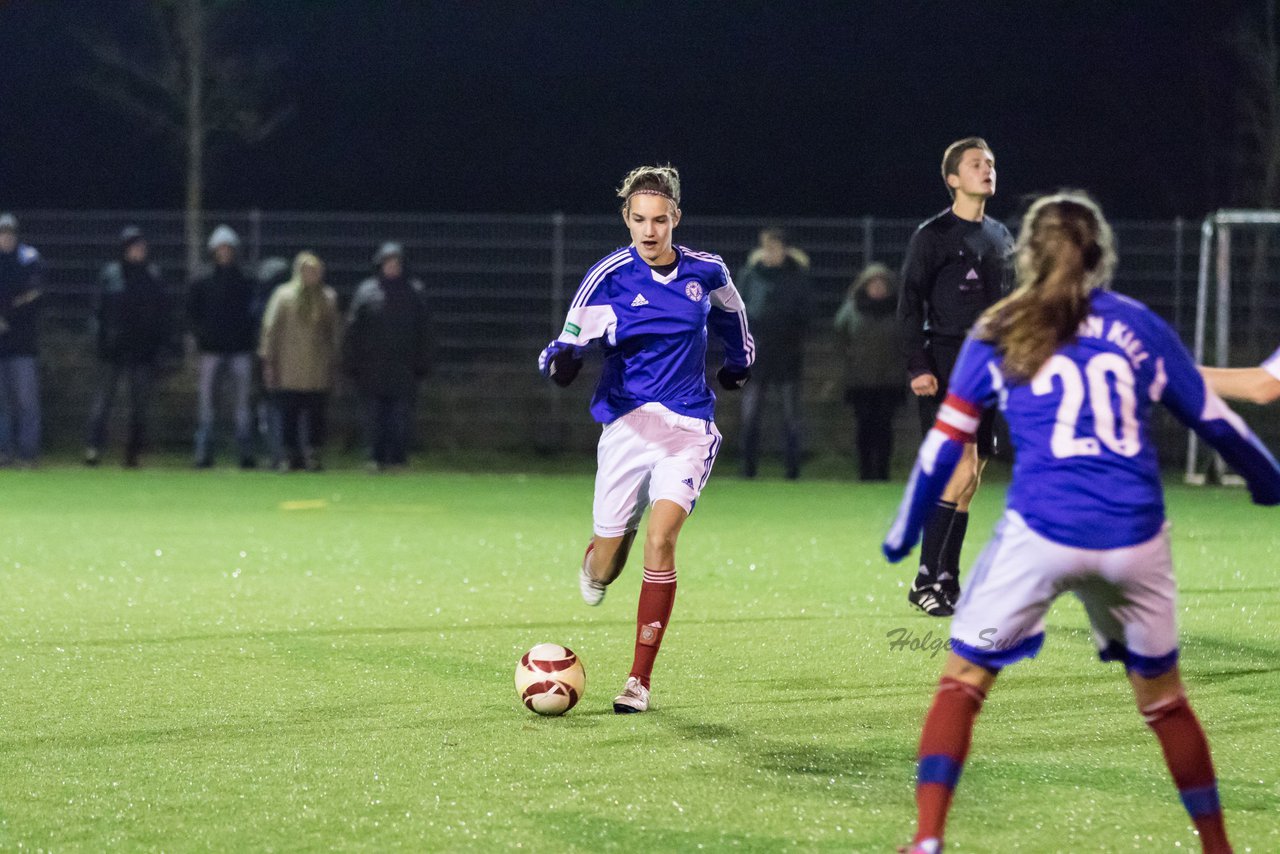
[650,453]
[1129,595]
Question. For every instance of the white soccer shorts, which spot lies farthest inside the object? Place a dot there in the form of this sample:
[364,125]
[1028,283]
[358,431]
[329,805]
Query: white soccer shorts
[649,454]
[1128,593]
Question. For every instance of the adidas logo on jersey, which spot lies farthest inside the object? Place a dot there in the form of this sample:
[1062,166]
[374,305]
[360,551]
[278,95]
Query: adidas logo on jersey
[639,301]
[973,274]
[688,481]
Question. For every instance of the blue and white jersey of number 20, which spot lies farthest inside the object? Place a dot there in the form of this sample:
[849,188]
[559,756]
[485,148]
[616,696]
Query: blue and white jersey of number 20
[654,330]
[1085,470]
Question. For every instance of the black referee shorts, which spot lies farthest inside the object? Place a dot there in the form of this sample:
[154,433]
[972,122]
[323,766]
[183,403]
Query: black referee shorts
[942,356]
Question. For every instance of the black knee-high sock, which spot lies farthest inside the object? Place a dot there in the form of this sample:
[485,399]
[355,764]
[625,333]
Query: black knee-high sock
[935,538]
[949,565]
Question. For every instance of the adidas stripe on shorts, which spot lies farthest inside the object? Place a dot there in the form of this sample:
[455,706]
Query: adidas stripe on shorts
[649,454]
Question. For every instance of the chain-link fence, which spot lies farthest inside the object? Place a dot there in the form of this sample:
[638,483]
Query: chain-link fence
[498,287]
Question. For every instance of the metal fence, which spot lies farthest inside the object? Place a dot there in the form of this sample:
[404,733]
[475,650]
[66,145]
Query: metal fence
[498,286]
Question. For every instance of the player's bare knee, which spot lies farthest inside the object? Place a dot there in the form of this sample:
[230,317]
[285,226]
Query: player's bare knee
[660,540]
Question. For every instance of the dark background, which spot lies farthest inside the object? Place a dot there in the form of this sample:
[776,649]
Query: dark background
[828,109]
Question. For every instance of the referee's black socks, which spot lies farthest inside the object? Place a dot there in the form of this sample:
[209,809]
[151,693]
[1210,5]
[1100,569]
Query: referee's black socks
[949,566]
[933,548]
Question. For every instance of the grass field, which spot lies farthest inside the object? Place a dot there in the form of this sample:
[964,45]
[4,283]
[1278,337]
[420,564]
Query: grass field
[248,662]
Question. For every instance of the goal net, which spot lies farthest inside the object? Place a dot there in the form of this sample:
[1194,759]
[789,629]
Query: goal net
[1237,322]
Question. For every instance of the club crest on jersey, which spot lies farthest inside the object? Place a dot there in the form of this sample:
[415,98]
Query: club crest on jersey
[693,291]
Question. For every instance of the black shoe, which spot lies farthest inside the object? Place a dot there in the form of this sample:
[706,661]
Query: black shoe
[204,463]
[248,463]
[931,600]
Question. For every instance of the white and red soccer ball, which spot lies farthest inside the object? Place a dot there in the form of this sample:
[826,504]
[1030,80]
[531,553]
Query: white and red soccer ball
[550,679]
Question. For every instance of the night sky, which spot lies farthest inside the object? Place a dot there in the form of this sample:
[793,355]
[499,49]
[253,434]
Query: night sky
[823,109]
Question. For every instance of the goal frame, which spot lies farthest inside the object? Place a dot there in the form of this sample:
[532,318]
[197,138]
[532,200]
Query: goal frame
[1215,233]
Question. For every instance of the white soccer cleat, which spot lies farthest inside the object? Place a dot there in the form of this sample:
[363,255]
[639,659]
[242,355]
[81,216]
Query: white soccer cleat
[592,590]
[634,698]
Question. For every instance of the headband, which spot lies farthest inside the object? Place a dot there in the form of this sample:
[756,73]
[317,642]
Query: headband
[666,196]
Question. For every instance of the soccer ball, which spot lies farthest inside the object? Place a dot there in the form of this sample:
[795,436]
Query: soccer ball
[550,679]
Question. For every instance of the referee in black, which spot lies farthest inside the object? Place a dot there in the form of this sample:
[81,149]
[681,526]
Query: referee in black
[954,270]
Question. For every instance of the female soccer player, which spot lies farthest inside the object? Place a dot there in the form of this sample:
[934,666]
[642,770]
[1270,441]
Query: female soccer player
[1076,371]
[650,305]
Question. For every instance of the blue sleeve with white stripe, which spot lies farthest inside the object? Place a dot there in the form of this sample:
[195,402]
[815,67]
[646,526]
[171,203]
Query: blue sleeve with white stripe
[591,316]
[970,392]
[1195,405]
[727,319]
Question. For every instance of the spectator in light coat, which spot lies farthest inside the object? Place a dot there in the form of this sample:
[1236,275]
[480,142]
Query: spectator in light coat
[299,352]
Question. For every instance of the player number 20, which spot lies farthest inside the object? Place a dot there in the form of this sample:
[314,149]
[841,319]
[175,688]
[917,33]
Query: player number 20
[1097,378]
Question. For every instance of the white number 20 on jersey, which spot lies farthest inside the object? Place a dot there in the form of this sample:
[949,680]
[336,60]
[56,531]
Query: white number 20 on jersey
[1102,374]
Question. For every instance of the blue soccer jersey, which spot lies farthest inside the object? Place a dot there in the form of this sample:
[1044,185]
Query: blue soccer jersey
[1085,471]
[653,328]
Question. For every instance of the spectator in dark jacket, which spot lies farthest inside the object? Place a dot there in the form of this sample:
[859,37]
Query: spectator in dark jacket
[386,351]
[133,328]
[222,308]
[871,340]
[20,294]
[775,287]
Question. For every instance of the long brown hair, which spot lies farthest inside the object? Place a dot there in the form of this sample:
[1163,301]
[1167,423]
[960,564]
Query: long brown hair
[1064,250]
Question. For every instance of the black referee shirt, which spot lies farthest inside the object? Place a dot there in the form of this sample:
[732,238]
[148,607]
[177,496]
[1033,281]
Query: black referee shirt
[953,271]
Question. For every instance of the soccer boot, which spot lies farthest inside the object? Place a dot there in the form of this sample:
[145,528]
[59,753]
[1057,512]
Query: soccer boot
[592,590]
[634,698]
[924,846]
[931,600]
[950,590]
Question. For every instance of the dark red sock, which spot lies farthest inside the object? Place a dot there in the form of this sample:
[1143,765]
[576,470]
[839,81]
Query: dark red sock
[944,744]
[657,595]
[1186,752]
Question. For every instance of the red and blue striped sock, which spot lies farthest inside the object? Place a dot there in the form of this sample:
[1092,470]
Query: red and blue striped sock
[1186,752]
[944,744]
[657,596]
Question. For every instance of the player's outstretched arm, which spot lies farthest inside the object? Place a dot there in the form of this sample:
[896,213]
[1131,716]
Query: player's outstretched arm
[1254,385]
[958,418]
[1195,404]
[937,459]
[590,318]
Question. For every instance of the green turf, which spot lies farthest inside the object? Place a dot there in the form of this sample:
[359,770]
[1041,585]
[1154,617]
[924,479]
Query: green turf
[188,661]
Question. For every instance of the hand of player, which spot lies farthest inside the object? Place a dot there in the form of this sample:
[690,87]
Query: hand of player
[925,385]
[732,378]
[560,362]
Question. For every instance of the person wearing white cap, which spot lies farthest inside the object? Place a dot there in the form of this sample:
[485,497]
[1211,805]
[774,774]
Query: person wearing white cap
[222,308]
